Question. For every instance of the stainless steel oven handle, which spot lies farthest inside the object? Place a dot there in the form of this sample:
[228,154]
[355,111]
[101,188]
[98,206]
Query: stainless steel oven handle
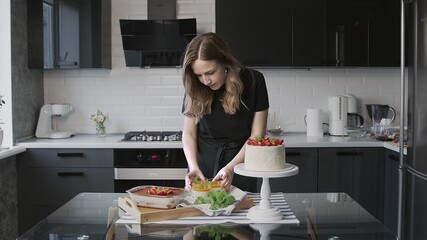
[150,173]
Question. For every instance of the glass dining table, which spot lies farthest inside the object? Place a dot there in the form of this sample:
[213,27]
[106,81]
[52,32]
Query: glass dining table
[330,216]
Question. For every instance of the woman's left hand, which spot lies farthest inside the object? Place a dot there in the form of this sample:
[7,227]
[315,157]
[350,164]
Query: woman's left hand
[226,177]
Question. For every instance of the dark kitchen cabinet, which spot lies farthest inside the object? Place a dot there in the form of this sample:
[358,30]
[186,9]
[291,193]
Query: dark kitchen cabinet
[308,44]
[48,178]
[306,179]
[362,33]
[259,33]
[358,172]
[69,34]
[391,190]
[310,33]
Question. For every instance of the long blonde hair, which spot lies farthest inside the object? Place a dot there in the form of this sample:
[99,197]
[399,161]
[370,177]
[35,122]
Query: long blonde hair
[198,97]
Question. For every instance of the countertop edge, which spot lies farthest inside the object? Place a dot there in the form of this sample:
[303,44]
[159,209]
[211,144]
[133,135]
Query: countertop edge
[8,152]
[114,141]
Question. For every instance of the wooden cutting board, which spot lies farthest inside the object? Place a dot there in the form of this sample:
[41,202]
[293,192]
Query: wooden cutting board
[145,214]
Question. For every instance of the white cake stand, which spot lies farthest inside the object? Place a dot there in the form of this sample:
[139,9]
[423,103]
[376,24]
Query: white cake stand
[264,212]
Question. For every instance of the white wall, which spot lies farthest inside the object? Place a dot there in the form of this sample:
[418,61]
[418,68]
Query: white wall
[5,74]
[138,99]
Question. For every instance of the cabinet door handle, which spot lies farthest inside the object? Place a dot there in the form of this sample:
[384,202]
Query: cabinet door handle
[339,34]
[343,154]
[69,154]
[70,174]
[292,154]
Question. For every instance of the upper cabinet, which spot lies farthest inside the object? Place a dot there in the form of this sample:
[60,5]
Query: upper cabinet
[259,33]
[310,33]
[362,32]
[71,33]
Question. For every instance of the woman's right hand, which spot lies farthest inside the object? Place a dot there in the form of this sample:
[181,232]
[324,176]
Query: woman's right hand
[190,175]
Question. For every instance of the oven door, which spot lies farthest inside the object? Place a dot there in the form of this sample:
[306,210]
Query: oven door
[160,167]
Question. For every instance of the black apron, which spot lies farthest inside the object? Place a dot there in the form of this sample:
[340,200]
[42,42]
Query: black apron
[214,155]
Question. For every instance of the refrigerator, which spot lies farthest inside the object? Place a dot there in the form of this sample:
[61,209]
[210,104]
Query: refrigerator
[413,171]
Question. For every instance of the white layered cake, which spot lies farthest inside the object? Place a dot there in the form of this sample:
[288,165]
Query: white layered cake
[263,154]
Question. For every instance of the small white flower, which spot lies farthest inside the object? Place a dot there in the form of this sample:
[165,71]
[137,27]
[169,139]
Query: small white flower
[99,117]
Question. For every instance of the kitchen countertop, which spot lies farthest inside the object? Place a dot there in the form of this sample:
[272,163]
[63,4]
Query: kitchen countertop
[292,140]
[321,215]
[7,152]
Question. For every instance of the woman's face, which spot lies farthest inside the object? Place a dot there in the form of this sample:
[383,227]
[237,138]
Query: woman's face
[209,72]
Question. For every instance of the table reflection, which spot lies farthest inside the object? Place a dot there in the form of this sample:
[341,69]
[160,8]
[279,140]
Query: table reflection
[321,215]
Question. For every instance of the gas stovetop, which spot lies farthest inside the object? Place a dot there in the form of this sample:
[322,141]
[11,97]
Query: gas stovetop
[150,136]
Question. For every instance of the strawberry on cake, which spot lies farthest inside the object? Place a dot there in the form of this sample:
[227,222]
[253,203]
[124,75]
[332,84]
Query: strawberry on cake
[264,154]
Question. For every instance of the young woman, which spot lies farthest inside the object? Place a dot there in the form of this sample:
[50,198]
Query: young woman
[224,104]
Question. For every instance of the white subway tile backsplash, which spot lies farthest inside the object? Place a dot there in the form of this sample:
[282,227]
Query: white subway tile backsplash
[282,100]
[175,80]
[328,71]
[311,101]
[161,90]
[146,80]
[329,90]
[143,100]
[151,99]
[173,123]
[278,79]
[161,111]
[363,71]
[97,91]
[273,89]
[345,80]
[363,90]
[312,79]
[378,80]
[110,101]
[295,90]
[145,123]
[172,101]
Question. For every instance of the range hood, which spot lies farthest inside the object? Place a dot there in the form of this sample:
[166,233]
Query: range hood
[156,43]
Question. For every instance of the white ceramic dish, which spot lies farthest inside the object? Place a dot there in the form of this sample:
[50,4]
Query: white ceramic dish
[142,198]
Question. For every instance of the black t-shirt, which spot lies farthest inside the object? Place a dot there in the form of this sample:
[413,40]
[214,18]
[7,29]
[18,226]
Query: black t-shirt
[237,127]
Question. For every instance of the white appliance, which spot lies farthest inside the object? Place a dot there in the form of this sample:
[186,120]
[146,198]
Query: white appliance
[46,126]
[352,103]
[338,109]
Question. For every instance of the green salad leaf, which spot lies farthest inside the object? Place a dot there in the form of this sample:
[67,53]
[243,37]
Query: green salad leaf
[217,199]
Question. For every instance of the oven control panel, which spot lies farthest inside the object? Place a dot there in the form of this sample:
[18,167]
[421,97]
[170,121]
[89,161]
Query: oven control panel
[149,158]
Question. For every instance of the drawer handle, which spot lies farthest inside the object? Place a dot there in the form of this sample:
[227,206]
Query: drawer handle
[65,154]
[349,153]
[291,154]
[70,174]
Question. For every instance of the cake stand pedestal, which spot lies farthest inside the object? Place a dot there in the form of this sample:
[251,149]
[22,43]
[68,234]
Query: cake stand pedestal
[264,212]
